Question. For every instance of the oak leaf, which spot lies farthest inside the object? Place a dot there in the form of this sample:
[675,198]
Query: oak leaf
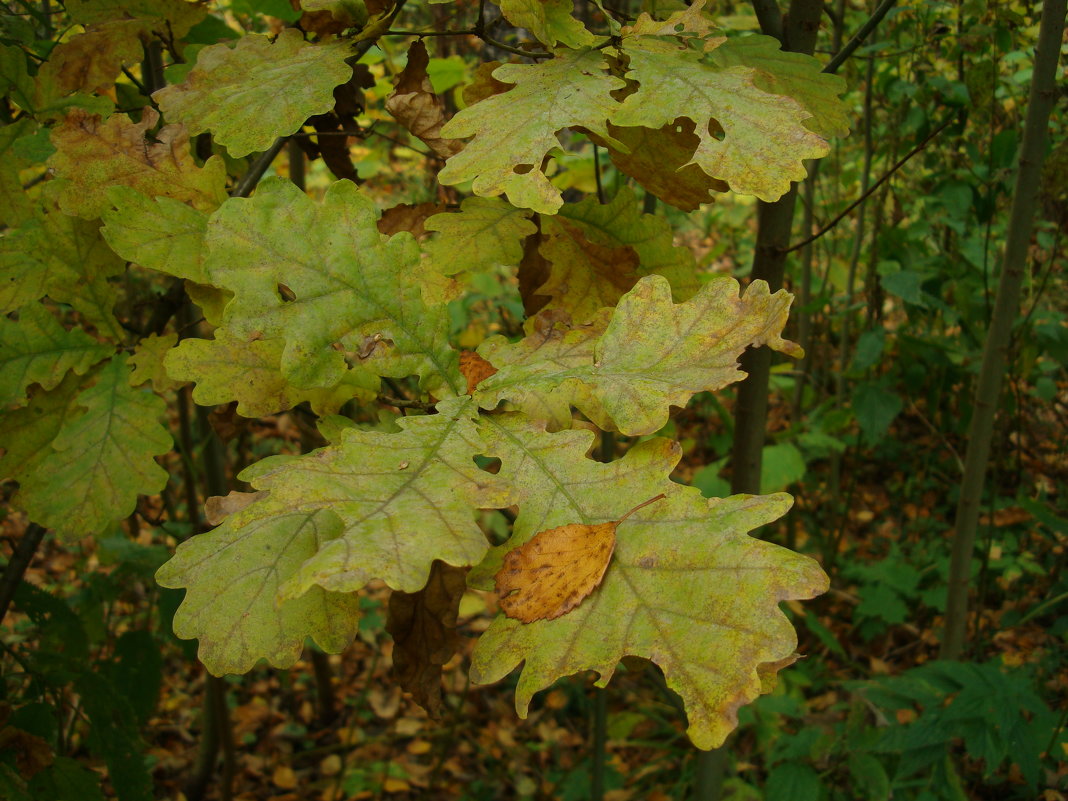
[408,217]
[91,61]
[688,588]
[584,276]
[328,256]
[37,349]
[485,233]
[555,570]
[101,459]
[550,21]
[231,368]
[753,139]
[148,362]
[161,234]
[514,131]
[251,94]
[474,369]
[661,161]
[64,258]
[231,575]
[93,155]
[650,355]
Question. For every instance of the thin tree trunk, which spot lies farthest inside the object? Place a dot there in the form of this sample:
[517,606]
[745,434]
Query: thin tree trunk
[1006,310]
[804,295]
[797,31]
[17,564]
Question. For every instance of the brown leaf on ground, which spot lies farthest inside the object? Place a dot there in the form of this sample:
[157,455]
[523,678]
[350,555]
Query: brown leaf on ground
[557,568]
[423,627]
[475,369]
[415,106]
[94,154]
[32,753]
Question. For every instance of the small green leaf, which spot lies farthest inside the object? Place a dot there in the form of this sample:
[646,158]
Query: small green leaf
[875,408]
[869,774]
[792,781]
[781,466]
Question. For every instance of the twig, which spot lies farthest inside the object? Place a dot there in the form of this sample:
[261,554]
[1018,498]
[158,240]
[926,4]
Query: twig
[885,177]
[517,50]
[859,37]
[403,403]
[248,181]
[421,34]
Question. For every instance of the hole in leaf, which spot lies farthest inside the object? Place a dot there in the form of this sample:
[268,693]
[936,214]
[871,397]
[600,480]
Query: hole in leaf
[286,294]
[522,169]
[490,464]
[715,130]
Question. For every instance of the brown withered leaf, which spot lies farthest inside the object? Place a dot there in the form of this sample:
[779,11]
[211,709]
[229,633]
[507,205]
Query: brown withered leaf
[483,84]
[558,568]
[533,273]
[89,62]
[94,154]
[408,217]
[423,627]
[415,106]
[475,369]
[659,160]
[218,507]
[584,276]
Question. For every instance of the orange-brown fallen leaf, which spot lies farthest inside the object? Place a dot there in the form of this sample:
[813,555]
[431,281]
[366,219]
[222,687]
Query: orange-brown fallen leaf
[558,568]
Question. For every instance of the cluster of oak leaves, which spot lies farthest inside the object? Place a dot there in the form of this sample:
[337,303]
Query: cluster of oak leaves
[620,328]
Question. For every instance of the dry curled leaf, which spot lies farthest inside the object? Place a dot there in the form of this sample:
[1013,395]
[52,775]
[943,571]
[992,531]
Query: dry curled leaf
[558,568]
[415,106]
[474,369]
[218,507]
[423,627]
